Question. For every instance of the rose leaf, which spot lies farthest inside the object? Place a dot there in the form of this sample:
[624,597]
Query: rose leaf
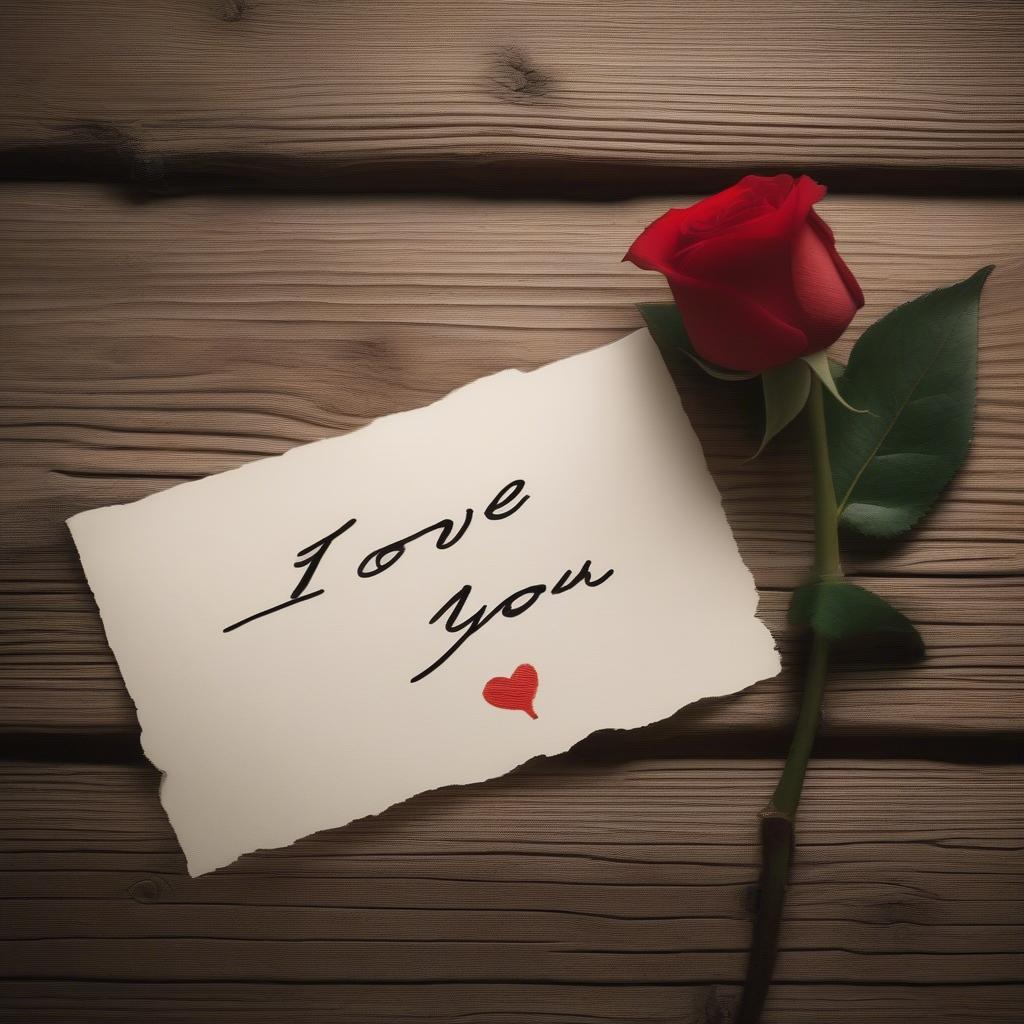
[915,369]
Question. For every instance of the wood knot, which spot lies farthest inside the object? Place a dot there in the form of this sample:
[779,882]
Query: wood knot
[517,79]
[149,890]
[233,10]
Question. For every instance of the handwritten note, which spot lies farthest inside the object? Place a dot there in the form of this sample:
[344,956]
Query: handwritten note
[432,599]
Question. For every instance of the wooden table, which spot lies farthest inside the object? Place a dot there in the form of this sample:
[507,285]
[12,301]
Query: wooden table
[232,226]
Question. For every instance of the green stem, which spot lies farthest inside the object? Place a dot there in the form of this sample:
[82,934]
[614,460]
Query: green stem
[778,819]
[826,515]
[786,798]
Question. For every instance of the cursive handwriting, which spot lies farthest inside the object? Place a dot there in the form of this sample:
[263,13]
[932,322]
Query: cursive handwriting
[504,504]
[446,533]
[308,558]
[513,605]
[383,558]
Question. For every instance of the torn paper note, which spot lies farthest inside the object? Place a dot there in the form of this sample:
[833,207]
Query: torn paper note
[432,599]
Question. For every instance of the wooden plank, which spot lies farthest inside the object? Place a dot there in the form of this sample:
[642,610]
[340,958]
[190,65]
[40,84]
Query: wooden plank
[151,344]
[58,674]
[395,303]
[34,1002]
[634,873]
[459,95]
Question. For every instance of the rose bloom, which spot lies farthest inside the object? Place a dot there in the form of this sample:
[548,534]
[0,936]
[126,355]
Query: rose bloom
[754,271]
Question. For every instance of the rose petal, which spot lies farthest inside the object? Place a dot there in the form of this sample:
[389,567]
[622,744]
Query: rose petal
[715,256]
[852,284]
[754,272]
[727,211]
[728,329]
[655,245]
[822,292]
[806,192]
[736,210]
[754,266]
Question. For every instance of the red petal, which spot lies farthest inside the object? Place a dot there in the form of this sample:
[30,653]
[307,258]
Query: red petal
[728,329]
[852,284]
[656,244]
[826,302]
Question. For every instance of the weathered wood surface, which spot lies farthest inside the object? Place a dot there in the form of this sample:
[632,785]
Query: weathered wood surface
[150,344]
[147,344]
[58,674]
[908,873]
[229,1002]
[619,95]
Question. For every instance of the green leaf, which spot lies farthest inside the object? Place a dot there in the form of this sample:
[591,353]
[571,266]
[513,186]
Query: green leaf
[915,370]
[821,366]
[838,610]
[665,323]
[785,393]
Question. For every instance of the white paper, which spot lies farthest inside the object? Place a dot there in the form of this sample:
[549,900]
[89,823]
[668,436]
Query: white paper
[305,718]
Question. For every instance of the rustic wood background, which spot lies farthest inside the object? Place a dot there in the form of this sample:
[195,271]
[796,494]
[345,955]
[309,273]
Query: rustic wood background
[232,226]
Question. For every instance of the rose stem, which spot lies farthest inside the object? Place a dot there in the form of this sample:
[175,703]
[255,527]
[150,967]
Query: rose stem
[778,828]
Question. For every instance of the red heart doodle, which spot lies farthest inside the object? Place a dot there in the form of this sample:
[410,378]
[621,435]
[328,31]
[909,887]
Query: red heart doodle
[513,693]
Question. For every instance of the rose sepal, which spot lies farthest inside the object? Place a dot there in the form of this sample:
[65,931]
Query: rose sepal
[842,611]
[665,323]
[785,389]
[821,366]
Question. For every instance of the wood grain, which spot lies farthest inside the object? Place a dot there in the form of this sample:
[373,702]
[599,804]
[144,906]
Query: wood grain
[908,873]
[58,674]
[623,95]
[147,345]
[58,1002]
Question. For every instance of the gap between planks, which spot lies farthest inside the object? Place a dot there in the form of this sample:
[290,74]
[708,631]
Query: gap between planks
[907,873]
[268,1002]
[501,99]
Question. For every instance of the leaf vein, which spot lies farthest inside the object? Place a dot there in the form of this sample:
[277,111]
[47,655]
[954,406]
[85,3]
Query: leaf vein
[937,352]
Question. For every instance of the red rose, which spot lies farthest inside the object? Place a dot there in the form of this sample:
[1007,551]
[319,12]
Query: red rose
[754,272]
